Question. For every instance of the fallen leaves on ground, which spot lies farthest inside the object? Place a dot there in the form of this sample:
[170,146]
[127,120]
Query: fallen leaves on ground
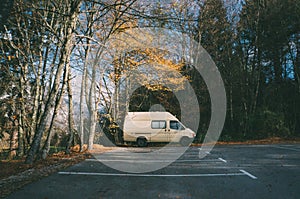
[14,174]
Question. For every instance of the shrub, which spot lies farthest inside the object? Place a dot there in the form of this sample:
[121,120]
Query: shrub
[266,124]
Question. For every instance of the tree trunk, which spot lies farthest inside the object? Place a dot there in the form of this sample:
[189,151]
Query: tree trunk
[297,66]
[13,141]
[21,133]
[128,89]
[258,82]
[46,147]
[81,108]
[277,66]
[58,101]
[21,122]
[71,112]
[82,94]
[93,109]
[65,56]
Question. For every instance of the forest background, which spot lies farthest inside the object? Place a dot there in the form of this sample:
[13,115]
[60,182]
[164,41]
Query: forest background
[51,94]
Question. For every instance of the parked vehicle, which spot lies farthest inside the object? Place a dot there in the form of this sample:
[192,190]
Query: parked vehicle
[146,127]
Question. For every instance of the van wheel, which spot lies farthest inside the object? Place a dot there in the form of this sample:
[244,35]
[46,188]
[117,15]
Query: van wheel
[185,141]
[141,142]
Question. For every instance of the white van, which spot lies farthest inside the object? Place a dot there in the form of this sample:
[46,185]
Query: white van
[145,127]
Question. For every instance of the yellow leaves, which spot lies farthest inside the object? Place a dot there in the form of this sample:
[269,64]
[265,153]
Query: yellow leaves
[157,87]
[158,57]
[10,57]
[127,24]
[153,68]
[146,59]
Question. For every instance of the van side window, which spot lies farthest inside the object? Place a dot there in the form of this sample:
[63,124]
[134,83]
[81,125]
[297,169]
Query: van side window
[176,125]
[158,124]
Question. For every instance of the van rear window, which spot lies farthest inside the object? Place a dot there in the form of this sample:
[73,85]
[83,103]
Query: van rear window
[158,124]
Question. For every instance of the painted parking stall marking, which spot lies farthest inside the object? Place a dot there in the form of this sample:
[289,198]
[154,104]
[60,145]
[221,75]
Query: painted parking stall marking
[145,161]
[248,174]
[221,159]
[241,173]
[287,148]
[217,166]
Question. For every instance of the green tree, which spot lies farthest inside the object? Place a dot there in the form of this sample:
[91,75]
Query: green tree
[214,32]
[267,31]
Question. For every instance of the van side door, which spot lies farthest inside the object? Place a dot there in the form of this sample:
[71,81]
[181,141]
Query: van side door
[159,131]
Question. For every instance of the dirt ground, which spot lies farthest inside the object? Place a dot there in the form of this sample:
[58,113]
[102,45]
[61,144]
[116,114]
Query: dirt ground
[273,140]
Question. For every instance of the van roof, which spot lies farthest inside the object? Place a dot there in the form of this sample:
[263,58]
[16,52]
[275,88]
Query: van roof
[151,116]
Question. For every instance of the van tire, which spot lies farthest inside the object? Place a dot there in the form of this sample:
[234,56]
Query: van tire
[185,141]
[141,142]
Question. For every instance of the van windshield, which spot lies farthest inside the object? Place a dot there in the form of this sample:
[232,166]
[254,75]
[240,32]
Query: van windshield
[175,125]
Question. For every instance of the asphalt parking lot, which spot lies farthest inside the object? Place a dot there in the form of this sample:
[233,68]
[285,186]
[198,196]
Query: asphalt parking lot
[228,171]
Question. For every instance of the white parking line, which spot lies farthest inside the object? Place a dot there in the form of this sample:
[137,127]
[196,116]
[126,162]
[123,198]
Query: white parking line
[133,161]
[248,174]
[287,148]
[222,160]
[207,152]
[153,175]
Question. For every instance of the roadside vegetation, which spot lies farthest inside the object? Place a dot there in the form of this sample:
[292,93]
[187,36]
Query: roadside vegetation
[54,96]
